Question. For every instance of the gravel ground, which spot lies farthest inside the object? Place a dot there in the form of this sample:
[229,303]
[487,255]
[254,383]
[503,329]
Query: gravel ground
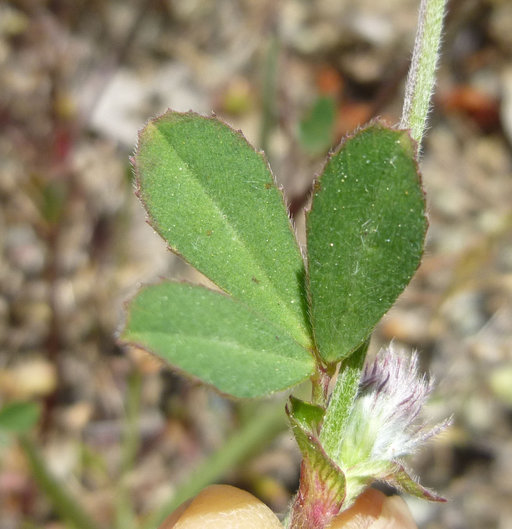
[79,78]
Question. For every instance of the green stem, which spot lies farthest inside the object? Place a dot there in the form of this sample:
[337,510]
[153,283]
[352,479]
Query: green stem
[421,78]
[267,423]
[320,386]
[64,504]
[340,404]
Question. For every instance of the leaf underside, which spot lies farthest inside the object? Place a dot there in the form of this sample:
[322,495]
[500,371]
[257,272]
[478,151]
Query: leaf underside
[216,339]
[212,197]
[365,236]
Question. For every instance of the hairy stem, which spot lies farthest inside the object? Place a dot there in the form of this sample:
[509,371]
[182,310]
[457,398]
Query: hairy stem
[340,405]
[320,386]
[421,78]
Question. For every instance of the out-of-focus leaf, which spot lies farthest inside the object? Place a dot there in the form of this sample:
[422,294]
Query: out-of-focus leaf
[19,417]
[316,129]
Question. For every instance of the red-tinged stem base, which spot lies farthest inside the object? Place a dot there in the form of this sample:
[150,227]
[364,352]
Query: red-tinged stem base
[316,503]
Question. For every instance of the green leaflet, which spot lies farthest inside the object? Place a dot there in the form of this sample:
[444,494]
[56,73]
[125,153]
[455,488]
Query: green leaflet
[365,236]
[212,197]
[217,339]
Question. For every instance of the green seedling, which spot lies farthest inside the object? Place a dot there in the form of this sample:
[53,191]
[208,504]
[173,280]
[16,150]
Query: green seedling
[282,314]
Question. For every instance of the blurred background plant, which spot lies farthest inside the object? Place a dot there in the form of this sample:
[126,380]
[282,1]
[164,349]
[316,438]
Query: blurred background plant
[119,440]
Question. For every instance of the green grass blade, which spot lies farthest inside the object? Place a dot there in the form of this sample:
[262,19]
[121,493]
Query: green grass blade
[125,517]
[63,502]
[365,236]
[250,438]
[212,197]
[216,339]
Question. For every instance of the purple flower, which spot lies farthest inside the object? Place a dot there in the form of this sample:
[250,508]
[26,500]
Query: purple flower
[385,424]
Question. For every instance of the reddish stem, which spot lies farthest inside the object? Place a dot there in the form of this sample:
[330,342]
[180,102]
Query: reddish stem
[315,505]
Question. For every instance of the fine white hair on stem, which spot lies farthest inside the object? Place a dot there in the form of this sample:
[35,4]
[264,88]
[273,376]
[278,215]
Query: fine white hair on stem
[421,77]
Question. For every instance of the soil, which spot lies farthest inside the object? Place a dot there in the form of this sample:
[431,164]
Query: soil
[79,78]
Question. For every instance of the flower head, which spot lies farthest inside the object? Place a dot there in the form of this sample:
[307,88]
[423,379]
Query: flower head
[385,424]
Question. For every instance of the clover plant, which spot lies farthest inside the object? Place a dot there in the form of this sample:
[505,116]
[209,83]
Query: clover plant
[282,314]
